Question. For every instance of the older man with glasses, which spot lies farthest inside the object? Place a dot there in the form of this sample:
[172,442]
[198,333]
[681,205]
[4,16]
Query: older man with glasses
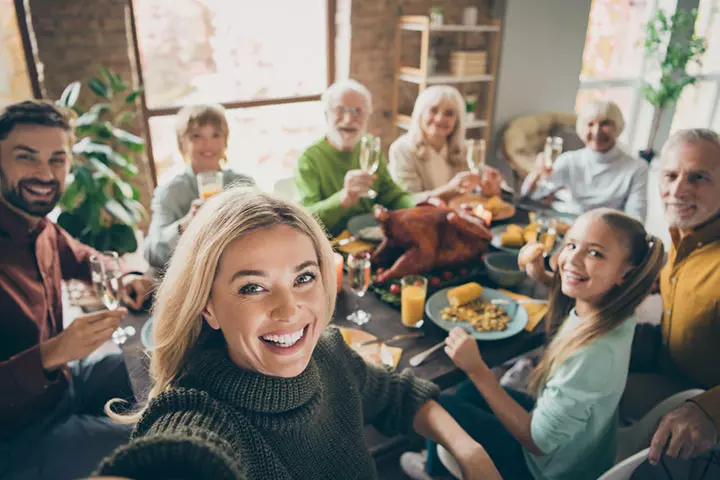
[329,178]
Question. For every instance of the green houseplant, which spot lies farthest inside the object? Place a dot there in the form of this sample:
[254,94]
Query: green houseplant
[671,44]
[100,205]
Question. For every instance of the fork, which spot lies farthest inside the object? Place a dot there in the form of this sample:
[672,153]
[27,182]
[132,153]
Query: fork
[420,357]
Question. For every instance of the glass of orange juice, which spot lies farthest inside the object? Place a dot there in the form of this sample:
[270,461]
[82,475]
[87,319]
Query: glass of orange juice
[412,302]
[209,184]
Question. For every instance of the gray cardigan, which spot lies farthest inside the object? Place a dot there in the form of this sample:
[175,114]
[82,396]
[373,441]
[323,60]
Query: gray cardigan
[171,202]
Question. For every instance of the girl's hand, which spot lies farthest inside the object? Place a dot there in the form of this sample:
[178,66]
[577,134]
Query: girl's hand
[463,351]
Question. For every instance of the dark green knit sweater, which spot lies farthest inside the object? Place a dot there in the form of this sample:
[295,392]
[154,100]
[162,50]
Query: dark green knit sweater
[223,422]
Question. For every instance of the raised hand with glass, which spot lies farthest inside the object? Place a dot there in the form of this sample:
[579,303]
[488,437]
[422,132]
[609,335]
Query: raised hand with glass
[107,282]
[358,265]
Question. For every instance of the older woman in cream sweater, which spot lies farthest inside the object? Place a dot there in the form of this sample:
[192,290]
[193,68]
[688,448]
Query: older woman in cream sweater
[429,160]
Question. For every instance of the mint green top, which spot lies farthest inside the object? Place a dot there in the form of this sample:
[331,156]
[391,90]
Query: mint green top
[320,177]
[574,421]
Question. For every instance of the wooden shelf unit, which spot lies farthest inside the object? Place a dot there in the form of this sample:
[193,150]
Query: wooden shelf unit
[422,78]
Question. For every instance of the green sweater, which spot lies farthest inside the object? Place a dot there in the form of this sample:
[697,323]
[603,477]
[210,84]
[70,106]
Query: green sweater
[320,177]
[222,422]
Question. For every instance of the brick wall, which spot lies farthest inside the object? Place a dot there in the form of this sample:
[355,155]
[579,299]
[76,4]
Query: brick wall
[74,38]
[372,50]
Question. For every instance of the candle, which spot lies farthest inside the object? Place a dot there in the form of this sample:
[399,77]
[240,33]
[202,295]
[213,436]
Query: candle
[339,261]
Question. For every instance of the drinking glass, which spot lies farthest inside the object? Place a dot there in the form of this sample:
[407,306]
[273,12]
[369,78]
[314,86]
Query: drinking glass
[209,184]
[370,158]
[553,149]
[107,281]
[475,155]
[412,300]
[359,274]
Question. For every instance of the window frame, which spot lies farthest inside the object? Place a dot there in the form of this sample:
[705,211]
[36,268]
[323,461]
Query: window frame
[635,110]
[150,112]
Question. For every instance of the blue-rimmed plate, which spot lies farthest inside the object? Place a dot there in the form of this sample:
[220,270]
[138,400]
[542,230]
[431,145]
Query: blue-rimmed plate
[146,335]
[517,313]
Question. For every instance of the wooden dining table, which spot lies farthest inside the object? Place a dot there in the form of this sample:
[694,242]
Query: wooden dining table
[384,323]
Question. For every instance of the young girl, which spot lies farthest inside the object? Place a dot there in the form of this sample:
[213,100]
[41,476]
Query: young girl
[202,138]
[248,383]
[567,431]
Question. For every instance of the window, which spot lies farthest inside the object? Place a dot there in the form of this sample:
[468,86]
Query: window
[698,104]
[14,78]
[614,64]
[266,62]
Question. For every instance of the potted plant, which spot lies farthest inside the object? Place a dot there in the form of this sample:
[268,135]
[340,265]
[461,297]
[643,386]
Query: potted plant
[100,205]
[670,43]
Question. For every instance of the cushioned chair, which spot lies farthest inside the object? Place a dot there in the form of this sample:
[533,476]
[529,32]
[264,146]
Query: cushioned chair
[630,440]
[524,137]
[625,469]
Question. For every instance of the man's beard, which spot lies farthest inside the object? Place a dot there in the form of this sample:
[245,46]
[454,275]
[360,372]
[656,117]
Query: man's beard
[340,141]
[15,197]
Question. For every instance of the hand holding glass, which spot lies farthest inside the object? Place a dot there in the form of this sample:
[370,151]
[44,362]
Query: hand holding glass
[370,158]
[107,281]
[209,184]
[359,275]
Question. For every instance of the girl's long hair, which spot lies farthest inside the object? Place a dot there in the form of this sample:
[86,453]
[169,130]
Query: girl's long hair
[456,139]
[186,286]
[645,255]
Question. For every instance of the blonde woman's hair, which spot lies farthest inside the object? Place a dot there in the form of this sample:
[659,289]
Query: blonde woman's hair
[599,108]
[456,139]
[645,255]
[192,116]
[187,284]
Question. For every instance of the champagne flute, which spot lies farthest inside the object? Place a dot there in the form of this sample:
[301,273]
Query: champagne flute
[370,158]
[107,281]
[359,274]
[553,149]
[475,155]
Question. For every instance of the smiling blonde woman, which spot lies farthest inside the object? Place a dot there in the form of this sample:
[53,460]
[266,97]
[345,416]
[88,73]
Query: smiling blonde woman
[429,160]
[248,381]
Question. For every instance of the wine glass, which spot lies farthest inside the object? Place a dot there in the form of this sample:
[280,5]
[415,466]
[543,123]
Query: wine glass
[359,274]
[370,158]
[107,281]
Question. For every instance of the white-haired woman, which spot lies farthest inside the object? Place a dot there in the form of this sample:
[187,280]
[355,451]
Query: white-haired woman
[248,381]
[429,160]
[599,175]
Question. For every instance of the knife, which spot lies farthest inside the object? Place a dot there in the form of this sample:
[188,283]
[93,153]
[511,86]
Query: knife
[391,339]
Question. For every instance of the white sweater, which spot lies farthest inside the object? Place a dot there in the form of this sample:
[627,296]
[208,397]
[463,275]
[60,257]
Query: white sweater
[592,180]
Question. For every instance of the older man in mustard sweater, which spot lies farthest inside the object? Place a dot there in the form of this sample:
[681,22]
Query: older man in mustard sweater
[329,179]
[684,351]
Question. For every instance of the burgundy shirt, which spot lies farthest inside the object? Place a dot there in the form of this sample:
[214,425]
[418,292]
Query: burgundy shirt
[33,261]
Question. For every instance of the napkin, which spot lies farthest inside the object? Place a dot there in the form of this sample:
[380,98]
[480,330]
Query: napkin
[536,311]
[352,247]
[376,353]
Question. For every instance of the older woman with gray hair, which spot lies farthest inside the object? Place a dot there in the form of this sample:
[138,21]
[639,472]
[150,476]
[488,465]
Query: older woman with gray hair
[429,160]
[331,184]
[599,175]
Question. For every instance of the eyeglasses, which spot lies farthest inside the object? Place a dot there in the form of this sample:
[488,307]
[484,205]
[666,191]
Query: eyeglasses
[355,112]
